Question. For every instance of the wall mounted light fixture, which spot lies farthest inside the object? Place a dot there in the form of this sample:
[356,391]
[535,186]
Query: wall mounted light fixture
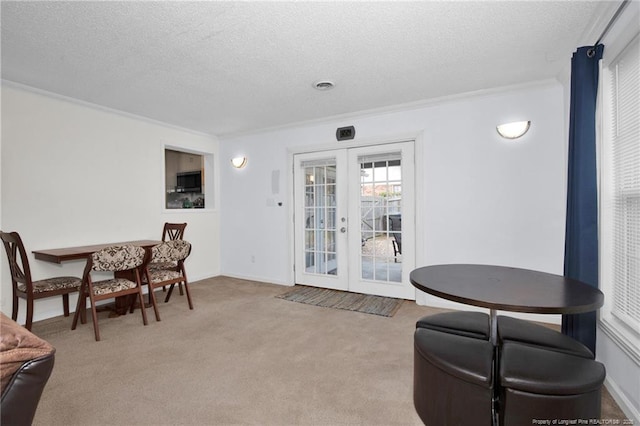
[513,130]
[324,85]
[239,162]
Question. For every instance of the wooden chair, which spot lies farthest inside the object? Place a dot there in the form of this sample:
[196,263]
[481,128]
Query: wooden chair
[167,252]
[23,285]
[125,262]
[174,231]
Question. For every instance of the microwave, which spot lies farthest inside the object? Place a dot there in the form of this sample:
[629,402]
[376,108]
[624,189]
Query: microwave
[189,182]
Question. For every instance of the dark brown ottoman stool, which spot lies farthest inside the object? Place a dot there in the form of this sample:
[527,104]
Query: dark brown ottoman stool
[539,384]
[517,330]
[476,325]
[452,379]
[462,323]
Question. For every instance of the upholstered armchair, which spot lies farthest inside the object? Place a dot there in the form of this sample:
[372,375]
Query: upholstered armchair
[26,362]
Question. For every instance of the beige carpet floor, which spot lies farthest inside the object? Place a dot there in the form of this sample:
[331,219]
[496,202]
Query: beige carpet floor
[242,356]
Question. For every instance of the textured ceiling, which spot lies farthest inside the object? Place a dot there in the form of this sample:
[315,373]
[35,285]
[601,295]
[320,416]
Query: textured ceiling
[231,67]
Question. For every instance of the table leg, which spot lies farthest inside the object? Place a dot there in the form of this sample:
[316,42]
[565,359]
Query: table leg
[493,327]
[493,338]
[117,308]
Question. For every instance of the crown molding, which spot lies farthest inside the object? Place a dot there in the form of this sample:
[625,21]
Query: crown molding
[53,95]
[410,106]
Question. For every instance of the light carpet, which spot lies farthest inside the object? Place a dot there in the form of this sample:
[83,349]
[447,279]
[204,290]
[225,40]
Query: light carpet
[242,357]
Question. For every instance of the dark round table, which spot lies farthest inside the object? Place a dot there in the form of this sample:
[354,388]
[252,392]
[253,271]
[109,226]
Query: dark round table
[507,289]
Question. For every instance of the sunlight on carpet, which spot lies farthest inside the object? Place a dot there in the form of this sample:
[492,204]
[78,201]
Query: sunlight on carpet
[326,298]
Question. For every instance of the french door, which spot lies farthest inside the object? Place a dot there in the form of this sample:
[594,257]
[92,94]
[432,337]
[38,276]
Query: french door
[354,216]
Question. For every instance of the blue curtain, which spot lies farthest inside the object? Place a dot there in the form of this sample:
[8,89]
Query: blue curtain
[581,238]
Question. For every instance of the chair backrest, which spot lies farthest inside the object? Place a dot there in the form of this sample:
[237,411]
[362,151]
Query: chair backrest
[174,231]
[395,223]
[118,258]
[17,256]
[170,251]
[395,226]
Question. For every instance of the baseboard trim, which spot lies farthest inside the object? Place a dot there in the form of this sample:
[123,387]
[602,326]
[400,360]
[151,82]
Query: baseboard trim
[623,402]
[258,279]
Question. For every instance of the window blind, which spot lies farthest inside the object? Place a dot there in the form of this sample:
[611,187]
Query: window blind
[624,187]
[373,158]
[318,163]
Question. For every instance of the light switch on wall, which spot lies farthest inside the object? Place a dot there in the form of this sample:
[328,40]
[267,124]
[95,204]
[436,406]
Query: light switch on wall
[275,182]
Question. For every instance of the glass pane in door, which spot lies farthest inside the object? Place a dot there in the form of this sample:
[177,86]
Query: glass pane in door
[320,219]
[381,217]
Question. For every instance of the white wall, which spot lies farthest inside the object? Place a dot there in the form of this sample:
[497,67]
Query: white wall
[73,174]
[481,199]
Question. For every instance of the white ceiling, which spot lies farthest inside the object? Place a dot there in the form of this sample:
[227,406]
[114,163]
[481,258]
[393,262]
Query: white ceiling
[232,67]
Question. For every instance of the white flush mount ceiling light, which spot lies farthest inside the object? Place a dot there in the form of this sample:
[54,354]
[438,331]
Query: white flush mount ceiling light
[513,130]
[324,85]
[239,162]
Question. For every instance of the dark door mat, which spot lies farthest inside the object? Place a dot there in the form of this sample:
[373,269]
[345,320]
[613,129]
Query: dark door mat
[327,298]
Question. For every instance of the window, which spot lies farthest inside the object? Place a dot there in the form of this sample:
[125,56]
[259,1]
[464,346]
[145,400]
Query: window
[186,178]
[620,190]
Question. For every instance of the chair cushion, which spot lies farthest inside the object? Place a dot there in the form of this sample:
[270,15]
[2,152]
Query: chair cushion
[161,275]
[542,371]
[466,358]
[154,266]
[52,284]
[17,346]
[462,323]
[517,330]
[113,285]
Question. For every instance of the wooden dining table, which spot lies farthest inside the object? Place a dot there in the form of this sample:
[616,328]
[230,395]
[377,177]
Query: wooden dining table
[66,254]
[59,255]
[507,289]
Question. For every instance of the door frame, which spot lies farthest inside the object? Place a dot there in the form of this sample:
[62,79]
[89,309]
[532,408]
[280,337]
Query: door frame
[418,140]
